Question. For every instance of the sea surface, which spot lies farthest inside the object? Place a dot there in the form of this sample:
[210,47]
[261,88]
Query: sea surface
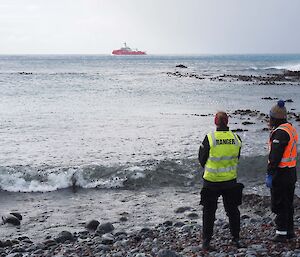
[103,121]
[101,137]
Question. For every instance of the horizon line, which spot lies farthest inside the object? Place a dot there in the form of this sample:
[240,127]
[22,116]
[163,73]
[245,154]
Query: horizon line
[154,54]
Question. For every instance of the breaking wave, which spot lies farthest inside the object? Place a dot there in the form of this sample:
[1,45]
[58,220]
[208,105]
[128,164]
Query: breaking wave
[289,67]
[172,173]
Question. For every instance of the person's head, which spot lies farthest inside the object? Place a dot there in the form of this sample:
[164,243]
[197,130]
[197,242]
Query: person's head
[221,119]
[278,114]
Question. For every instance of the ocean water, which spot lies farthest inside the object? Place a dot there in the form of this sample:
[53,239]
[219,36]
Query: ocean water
[124,122]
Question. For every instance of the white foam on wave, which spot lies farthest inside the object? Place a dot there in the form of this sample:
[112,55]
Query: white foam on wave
[17,182]
[289,67]
[13,181]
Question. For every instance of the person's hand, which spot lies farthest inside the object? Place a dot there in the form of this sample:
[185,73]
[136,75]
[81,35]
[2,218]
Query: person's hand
[269,181]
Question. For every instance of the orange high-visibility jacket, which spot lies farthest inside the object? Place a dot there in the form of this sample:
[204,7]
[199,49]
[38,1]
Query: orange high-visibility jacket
[290,152]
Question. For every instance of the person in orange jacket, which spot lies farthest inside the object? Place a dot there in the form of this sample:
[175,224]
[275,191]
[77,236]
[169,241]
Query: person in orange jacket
[281,173]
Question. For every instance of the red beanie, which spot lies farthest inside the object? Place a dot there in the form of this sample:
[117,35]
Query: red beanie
[221,118]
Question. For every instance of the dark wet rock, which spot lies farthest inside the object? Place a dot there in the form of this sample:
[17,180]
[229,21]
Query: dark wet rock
[120,233]
[23,238]
[107,239]
[50,242]
[105,228]
[123,219]
[248,123]
[145,230]
[92,224]
[25,73]
[64,236]
[183,209]
[11,219]
[269,98]
[287,77]
[193,215]
[245,216]
[185,75]
[289,101]
[102,247]
[17,215]
[18,250]
[292,73]
[239,130]
[38,252]
[168,223]
[200,115]
[178,224]
[167,253]
[124,213]
[265,129]
[14,255]
[7,243]
[181,66]
[242,112]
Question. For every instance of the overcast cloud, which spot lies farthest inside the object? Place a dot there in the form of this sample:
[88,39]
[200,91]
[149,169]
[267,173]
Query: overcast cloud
[156,26]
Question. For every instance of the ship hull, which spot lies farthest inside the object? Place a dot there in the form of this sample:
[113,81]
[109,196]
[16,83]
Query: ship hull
[122,52]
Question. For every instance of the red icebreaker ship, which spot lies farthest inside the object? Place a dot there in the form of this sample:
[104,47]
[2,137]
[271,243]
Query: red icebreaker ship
[127,51]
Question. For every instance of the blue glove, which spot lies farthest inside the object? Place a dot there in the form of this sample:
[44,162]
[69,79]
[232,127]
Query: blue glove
[269,181]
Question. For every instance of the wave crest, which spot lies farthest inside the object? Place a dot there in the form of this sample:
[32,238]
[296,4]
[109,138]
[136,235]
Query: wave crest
[174,173]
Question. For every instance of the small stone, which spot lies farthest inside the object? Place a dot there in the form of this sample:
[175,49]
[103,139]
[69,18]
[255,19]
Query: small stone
[105,228]
[123,219]
[166,253]
[168,223]
[107,239]
[193,215]
[64,236]
[92,224]
[182,209]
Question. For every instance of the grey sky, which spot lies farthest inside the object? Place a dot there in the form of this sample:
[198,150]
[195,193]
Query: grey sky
[156,26]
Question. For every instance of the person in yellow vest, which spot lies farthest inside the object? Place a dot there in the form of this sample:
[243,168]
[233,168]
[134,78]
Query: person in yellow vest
[281,173]
[219,156]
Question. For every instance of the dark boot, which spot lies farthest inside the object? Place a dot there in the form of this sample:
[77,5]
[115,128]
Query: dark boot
[280,238]
[206,246]
[236,242]
[291,235]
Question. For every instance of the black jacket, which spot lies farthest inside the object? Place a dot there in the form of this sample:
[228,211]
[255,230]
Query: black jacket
[279,140]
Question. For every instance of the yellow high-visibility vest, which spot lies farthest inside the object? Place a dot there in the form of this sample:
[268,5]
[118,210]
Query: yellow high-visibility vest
[223,156]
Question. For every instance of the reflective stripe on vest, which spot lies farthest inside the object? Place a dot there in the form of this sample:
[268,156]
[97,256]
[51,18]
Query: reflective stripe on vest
[223,156]
[289,157]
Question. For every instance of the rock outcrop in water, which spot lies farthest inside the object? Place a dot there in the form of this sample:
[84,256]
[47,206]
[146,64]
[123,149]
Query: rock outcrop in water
[287,77]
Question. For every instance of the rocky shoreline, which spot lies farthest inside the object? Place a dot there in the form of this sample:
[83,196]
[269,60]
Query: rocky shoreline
[284,78]
[168,239]
[249,117]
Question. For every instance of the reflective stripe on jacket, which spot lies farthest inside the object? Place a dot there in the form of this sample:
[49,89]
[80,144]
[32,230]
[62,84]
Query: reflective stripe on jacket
[289,157]
[223,156]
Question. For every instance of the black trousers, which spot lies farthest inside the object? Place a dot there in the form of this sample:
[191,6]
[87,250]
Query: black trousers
[282,197]
[232,198]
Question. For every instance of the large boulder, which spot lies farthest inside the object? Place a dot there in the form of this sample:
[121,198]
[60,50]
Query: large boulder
[11,219]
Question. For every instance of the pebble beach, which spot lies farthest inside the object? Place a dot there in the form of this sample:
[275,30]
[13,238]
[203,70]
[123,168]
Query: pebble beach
[146,225]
